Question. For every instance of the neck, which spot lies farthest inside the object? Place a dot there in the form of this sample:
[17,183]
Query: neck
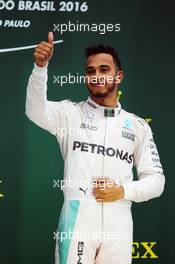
[110,100]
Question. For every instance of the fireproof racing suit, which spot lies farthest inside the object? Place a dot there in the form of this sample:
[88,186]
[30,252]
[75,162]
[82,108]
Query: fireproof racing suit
[96,141]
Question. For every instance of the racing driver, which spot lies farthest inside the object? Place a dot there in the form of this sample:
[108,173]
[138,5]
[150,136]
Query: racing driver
[100,143]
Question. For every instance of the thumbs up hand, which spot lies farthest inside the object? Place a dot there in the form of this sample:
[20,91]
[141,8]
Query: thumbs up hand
[44,51]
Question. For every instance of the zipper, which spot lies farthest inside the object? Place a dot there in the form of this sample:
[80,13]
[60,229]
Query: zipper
[103,172]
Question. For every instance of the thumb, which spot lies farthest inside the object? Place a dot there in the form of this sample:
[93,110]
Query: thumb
[50,38]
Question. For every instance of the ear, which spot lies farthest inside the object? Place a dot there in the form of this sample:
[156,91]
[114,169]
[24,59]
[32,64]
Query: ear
[119,76]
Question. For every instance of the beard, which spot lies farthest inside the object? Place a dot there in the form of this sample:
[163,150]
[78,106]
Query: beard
[100,94]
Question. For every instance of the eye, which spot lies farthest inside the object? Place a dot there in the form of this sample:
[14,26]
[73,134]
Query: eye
[90,71]
[104,69]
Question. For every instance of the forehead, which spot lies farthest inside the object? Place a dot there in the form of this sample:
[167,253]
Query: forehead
[100,59]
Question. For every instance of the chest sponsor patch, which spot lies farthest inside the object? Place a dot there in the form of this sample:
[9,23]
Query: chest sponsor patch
[102,150]
[87,126]
[129,136]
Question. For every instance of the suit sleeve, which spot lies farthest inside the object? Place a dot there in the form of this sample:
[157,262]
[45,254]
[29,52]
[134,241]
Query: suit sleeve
[151,178]
[46,114]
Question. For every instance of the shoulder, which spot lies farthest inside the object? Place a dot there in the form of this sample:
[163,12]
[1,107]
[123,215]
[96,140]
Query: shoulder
[71,109]
[135,122]
[66,103]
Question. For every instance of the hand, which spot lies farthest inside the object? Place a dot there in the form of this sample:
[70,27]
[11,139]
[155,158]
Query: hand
[44,51]
[106,190]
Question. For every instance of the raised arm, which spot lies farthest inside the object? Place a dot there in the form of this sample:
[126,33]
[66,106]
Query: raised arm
[46,114]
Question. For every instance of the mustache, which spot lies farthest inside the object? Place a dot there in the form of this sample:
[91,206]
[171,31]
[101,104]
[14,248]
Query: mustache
[102,94]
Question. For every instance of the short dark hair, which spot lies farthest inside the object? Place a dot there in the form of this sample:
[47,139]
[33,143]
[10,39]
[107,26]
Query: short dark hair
[104,49]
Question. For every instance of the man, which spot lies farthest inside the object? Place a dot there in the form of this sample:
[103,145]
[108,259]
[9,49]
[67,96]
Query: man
[100,143]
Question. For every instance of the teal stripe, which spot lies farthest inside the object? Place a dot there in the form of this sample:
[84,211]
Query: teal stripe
[66,226]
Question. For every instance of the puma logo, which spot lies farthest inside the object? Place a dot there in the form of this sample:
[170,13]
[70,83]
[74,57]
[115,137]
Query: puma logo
[81,189]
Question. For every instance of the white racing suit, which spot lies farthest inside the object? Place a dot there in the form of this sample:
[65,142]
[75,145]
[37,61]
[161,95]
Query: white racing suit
[96,141]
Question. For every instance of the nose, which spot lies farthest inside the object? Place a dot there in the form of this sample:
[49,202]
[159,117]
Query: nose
[99,77]
[97,74]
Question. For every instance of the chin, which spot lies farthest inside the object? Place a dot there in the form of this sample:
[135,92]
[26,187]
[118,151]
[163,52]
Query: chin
[98,94]
[101,93]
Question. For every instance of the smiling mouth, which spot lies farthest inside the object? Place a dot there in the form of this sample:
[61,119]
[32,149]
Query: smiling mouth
[97,84]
